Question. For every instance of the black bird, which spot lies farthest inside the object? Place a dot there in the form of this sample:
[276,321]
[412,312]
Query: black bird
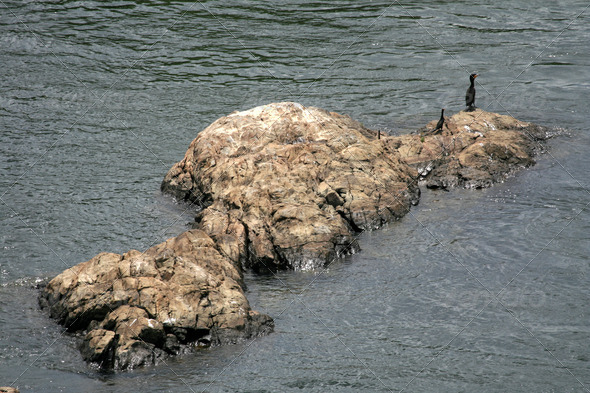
[441,122]
[470,94]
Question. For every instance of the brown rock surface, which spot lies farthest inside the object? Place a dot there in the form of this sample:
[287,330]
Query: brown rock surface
[141,307]
[284,186]
[474,150]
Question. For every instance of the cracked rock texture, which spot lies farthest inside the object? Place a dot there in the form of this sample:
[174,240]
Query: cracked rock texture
[137,308]
[284,186]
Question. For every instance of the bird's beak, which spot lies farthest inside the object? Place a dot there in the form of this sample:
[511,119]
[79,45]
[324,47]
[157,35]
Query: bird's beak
[476,75]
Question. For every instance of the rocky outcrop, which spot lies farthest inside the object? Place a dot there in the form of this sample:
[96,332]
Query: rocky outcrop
[7,389]
[279,186]
[140,307]
[284,186]
[474,150]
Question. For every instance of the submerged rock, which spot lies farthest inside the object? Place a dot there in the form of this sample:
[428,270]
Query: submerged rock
[138,308]
[284,186]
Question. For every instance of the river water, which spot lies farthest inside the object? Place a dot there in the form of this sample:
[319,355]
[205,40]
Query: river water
[473,291]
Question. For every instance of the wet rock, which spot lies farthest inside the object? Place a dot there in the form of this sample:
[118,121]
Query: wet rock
[99,347]
[140,307]
[284,186]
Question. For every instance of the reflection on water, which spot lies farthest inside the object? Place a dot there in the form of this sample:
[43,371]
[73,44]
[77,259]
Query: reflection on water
[472,291]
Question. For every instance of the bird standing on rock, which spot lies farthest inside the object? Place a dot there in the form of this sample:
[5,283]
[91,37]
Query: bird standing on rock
[441,122]
[439,126]
[470,94]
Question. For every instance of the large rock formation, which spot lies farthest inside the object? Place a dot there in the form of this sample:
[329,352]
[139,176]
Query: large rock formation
[284,186]
[279,186]
[138,308]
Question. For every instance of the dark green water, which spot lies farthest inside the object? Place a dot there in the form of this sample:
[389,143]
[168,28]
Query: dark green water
[474,291]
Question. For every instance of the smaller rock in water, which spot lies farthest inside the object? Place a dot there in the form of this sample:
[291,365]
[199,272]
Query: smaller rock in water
[475,150]
[138,308]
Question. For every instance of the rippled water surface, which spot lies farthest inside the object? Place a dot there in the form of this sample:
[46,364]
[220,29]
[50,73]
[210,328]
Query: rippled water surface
[473,291]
